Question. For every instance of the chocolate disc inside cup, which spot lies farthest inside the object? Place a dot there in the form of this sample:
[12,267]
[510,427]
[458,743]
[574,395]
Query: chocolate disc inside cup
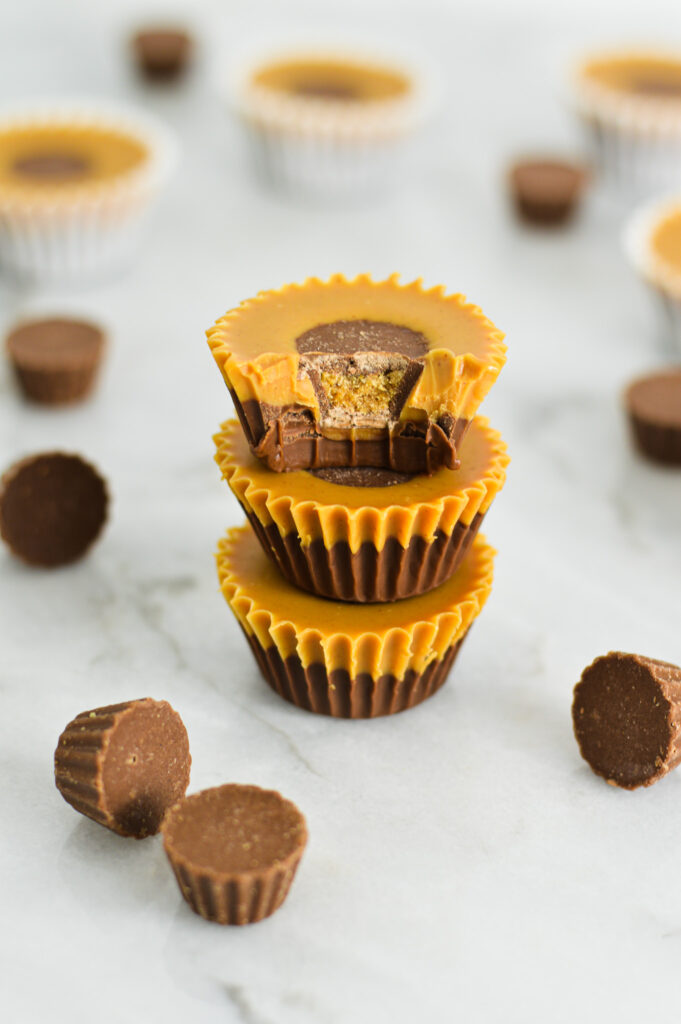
[57,167]
[52,508]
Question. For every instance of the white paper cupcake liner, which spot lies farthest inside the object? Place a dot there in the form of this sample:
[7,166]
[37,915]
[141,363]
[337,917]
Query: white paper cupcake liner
[323,150]
[93,231]
[663,282]
[635,142]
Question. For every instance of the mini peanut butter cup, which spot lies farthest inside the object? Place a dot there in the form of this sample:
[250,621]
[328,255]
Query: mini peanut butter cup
[234,851]
[361,533]
[56,360]
[357,373]
[627,718]
[654,407]
[162,52]
[124,765]
[53,506]
[334,658]
[546,191]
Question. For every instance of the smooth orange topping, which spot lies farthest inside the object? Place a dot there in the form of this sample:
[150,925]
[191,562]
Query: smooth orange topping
[332,79]
[645,75]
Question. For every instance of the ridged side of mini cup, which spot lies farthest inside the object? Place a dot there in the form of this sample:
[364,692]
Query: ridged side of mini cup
[56,387]
[78,762]
[369,575]
[340,696]
[238,900]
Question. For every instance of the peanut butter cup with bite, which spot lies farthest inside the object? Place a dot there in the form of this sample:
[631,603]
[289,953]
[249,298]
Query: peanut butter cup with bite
[365,534]
[357,373]
[329,656]
[123,765]
[234,851]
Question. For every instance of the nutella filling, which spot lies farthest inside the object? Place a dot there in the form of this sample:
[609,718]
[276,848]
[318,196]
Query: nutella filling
[362,371]
[52,166]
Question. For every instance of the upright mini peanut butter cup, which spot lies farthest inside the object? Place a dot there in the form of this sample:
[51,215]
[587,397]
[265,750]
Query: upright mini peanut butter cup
[56,360]
[627,718]
[234,851]
[364,534]
[123,765]
[336,658]
[357,373]
[653,404]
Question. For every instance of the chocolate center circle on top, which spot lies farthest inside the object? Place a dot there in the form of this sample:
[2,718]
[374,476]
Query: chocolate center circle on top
[318,89]
[361,476]
[52,166]
[346,337]
[657,85]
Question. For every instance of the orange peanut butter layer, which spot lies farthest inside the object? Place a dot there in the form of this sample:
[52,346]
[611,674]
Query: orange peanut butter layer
[648,76]
[342,373]
[40,160]
[366,534]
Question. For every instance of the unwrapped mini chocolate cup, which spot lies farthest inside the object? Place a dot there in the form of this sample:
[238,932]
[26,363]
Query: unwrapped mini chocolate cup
[56,359]
[364,534]
[653,404]
[123,765]
[162,52]
[546,191]
[342,659]
[626,715]
[234,851]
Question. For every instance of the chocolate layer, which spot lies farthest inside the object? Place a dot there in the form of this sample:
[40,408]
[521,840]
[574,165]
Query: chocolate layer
[52,167]
[347,337]
[288,438]
[341,696]
[627,718]
[367,575]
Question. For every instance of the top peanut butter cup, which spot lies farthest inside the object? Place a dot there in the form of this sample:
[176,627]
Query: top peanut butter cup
[357,373]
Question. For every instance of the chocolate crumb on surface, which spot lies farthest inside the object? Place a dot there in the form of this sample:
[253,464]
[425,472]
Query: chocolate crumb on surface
[234,850]
[53,507]
[123,765]
[653,404]
[546,192]
[627,718]
[56,359]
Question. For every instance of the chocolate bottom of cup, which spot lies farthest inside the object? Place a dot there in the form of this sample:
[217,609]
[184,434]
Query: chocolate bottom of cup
[367,575]
[341,696]
[657,442]
[545,213]
[238,900]
[56,387]
[290,438]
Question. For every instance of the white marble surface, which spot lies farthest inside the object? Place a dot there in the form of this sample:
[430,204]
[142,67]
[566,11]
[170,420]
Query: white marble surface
[464,863]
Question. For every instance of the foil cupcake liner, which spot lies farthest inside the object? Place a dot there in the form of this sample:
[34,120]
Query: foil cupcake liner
[320,646]
[663,282]
[322,150]
[96,229]
[634,142]
[403,547]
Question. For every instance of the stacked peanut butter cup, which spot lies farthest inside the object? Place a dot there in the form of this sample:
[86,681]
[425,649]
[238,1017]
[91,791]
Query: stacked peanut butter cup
[364,475]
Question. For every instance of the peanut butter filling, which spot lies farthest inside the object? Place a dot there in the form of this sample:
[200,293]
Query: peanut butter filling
[39,157]
[665,241]
[397,637]
[331,506]
[359,353]
[332,80]
[657,77]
